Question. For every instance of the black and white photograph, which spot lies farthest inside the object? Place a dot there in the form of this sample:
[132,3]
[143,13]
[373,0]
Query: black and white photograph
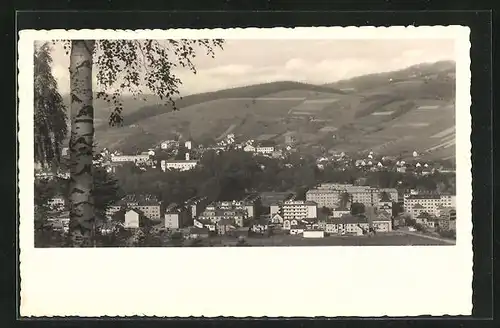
[209,143]
[253,142]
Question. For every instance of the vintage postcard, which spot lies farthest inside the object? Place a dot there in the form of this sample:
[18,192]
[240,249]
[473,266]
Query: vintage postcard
[321,171]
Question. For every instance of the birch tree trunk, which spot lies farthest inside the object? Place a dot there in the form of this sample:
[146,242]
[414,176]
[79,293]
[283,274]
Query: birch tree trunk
[82,217]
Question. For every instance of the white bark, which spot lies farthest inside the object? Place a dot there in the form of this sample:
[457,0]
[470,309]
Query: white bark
[82,215]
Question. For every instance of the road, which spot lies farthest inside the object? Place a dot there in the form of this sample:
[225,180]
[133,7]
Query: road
[416,234]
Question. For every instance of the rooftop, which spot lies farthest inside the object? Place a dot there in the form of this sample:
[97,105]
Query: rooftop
[299,202]
[173,207]
[424,197]
[181,161]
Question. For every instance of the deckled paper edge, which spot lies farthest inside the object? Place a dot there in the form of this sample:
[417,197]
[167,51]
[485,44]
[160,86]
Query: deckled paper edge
[254,33]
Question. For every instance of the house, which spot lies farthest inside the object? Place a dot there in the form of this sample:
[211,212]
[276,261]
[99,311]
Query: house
[352,224]
[225,226]
[310,223]
[147,204]
[59,221]
[447,218]
[443,223]
[322,223]
[385,207]
[422,218]
[57,203]
[177,216]
[432,223]
[339,212]
[167,143]
[288,223]
[382,222]
[277,219]
[331,226]
[196,232]
[259,226]
[264,149]
[249,148]
[212,227]
[196,205]
[297,229]
[142,158]
[178,165]
[313,233]
[199,223]
[416,210]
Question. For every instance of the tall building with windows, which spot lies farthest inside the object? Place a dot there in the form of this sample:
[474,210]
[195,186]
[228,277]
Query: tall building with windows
[298,209]
[324,197]
[149,205]
[330,194]
[432,204]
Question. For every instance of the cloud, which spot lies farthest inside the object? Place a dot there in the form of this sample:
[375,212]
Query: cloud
[245,62]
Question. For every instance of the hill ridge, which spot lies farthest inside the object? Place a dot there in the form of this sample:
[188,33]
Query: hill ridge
[394,112]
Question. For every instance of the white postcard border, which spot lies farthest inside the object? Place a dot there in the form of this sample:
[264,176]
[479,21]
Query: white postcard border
[248,282]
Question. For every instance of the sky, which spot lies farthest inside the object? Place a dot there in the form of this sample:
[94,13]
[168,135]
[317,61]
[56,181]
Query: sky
[246,62]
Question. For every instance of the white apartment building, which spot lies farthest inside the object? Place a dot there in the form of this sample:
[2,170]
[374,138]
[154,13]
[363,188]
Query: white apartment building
[298,209]
[363,194]
[431,204]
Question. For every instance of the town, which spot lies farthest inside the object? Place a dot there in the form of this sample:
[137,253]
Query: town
[327,210]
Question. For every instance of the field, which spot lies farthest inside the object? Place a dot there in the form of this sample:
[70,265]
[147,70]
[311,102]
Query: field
[381,239]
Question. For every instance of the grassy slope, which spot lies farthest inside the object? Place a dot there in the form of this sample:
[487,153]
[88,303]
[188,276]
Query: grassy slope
[250,112]
[252,91]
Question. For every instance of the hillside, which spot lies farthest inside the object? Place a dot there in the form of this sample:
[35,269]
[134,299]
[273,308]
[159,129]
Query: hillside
[130,104]
[393,113]
[252,91]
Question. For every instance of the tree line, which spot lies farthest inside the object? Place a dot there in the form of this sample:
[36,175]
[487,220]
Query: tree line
[233,174]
